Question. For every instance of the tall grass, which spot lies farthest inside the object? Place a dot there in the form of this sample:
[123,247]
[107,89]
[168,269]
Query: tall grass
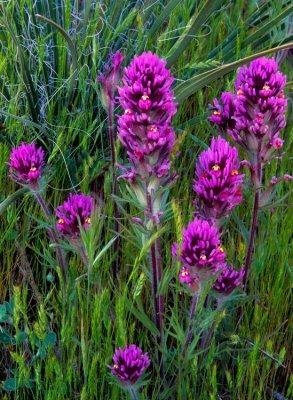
[56,344]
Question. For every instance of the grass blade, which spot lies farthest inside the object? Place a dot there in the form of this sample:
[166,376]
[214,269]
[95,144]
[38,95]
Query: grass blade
[193,26]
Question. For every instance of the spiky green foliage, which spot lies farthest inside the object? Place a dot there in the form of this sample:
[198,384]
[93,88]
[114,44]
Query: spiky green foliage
[59,337]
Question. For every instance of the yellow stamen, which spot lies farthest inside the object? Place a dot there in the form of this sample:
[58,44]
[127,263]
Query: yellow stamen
[266,88]
[127,111]
[153,128]
[184,273]
[216,113]
[115,366]
[61,221]
[234,172]
[87,220]
[221,249]
[33,169]
[239,92]
[145,97]
[216,167]
[203,257]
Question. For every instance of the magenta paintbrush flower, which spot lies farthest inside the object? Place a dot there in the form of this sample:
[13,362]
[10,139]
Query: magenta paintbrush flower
[149,106]
[218,181]
[148,146]
[74,213]
[261,103]
[224,112]
[201,251]
[229,279]
[129,364]
[26,163]
[147,90]
[254,116]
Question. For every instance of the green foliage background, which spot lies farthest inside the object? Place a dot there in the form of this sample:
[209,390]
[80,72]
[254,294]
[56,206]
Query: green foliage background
[61,342]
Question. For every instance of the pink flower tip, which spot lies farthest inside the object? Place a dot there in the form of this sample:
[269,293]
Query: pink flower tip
[278,143]
[129,364]
[26,163]
[74,213]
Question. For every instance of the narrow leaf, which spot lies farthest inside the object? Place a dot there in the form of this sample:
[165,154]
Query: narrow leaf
[193,26]
[71,48]
[166,12]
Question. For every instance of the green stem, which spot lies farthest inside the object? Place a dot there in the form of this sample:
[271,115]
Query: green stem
[156,278]
[133,393]
[52,234]
[192,311]
[254,220]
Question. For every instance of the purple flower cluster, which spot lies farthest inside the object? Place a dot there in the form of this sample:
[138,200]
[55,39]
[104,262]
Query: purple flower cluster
[218,181]
[74,213]
[228,279]
[129,364]
[144,128]
[26,163]
[202,256]
[224,112]
[255,114]
[200,252]
[147,90]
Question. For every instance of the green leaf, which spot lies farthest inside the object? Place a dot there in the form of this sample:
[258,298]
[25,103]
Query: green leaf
[12,198]
[104,249]
[142,317]
[5,337]
[41,353]
[11,384]
[197,82]
[3,313]
[50,339]
[20,337]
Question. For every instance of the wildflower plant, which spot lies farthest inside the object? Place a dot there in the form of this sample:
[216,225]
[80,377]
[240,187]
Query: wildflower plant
[26,167]
[26,164]
[253,116]
[58,59]
[129,364]
[144,130]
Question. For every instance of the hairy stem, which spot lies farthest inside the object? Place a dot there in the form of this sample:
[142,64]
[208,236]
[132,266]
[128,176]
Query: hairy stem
[192,312]
[209,333]
[133,393]
[155,255]
[159,278]
[254,221]
[52,234]
[111,133]
[114,187]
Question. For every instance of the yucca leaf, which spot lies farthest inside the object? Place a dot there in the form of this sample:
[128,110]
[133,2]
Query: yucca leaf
[187,88]
[26,76]
[165,13]
[263,30]
[230,40]
[193,26]
[72,49]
